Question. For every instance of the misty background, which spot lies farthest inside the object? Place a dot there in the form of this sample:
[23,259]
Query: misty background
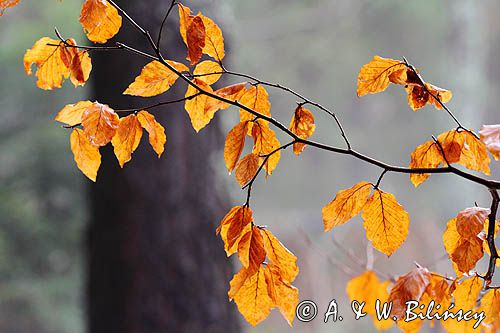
[315,47]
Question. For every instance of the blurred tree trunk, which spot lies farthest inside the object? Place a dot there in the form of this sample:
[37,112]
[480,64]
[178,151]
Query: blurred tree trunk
[154,262]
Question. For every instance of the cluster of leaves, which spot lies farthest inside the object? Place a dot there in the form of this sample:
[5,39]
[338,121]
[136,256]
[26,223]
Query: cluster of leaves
[268,267]
[4,4]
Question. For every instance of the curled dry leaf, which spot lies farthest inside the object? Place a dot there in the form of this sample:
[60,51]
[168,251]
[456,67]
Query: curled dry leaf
[155,79]
[385,221]
[246,169]
[100,123]
[87,156]
[374,76]
[127,138]
[409,287]
[346,204]
[78,63]
[419,96]
[233,226]
[490,135]
[303,126]
[235,142]
[157,137]
[100,20]
[470,221]
[233,92]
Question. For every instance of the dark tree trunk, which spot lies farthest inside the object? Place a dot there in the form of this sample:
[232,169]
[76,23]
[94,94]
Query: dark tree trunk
[154,262]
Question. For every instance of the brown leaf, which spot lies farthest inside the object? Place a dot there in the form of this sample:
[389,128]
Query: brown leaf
[408,287]
[195,35]
[470,221]
[233,93]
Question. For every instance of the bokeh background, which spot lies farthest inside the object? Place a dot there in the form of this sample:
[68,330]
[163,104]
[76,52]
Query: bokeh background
[315,47]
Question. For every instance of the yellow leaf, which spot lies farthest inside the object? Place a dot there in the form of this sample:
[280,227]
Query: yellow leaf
[87,156]
[214,41]
[78,63]
[184,21]
[467,293]
[490,304]
[490,135]
[100,20]
[155,79]
[100,123]
[205,69]
[251,250]
[233,93]
[246,169]
[408,287]
[51,68]
[385,221]
[127,138]
[266,144]
[475,154]
[440,292]
[72,114]
[283,294]
[250,293]
[195,107]
[367,288]
[346,204]
[303,126]
[4,4]
[157,137]
[257,99]
[233,226]
[282,259]
[235,142]
[427,155]
[374,76]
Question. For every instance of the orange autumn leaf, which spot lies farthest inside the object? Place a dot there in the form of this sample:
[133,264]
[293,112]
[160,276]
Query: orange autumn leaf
[282,293]
[408,287]
[205,71]
[157,137]
[155,79]
[475,154]
[490,135]
[100,20]
[51,69]
[235,142]
[374,76]
[127,138]
[266,146]
[233,226]
[184,20]
[72,114]
[467,292]
[346,204]
[250,293]
[282,259]
[195,107]
[427,155]
[100,123]
[251,250]
[490,304]
[257,99]
[368,288]
[214,41]
[419,96]
[195,35]
[247,168]
[4,4]
[87,156]
[385,221]
[439,290]
[470,221]
[465,252]
[233,93]
[303,126]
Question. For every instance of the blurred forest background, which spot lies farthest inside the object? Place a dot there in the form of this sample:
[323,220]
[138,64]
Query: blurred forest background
[315,47]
